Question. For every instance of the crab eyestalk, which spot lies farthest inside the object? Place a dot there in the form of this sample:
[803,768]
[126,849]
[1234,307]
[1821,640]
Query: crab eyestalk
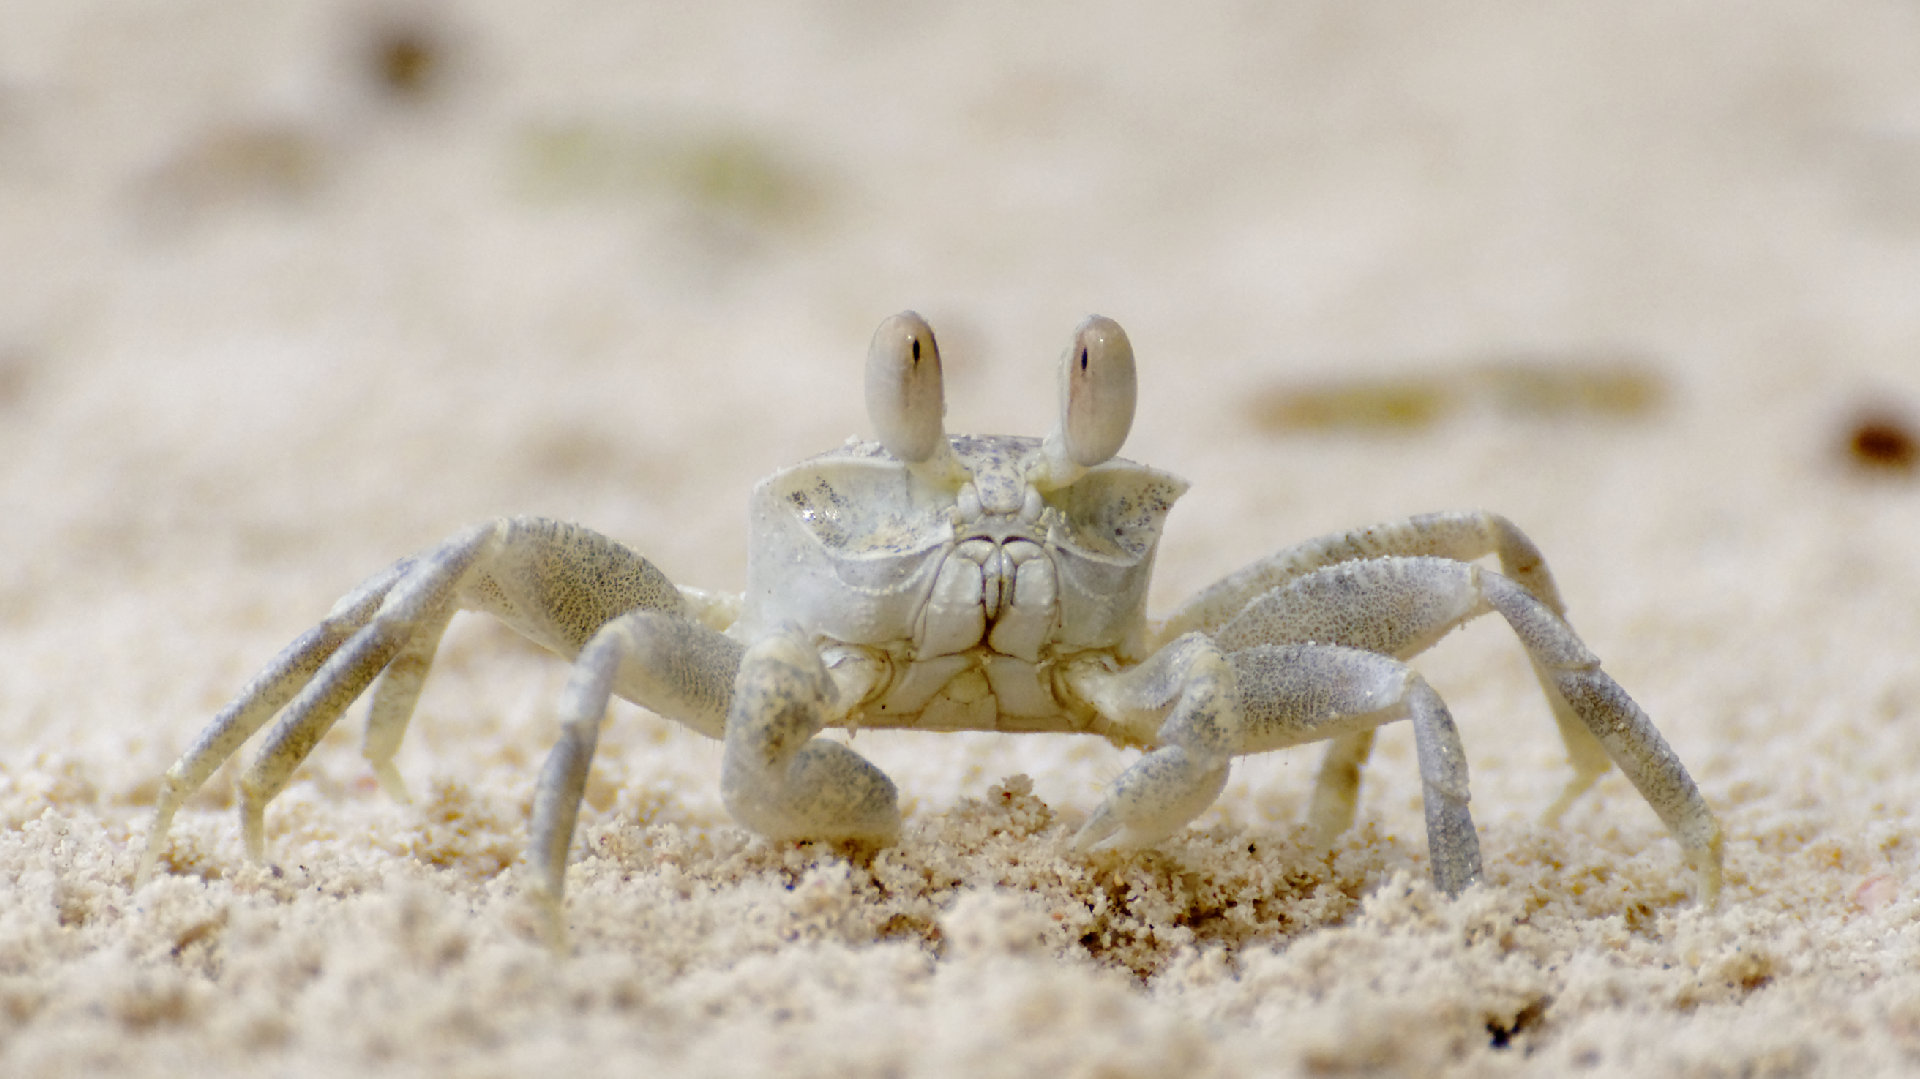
[1097,392]
[905,399]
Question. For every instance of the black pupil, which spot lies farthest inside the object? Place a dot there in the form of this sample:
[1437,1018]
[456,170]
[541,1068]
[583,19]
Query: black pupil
[1083,359]
[916,350]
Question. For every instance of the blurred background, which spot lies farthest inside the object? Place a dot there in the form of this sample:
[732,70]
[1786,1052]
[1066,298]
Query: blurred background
[288,290]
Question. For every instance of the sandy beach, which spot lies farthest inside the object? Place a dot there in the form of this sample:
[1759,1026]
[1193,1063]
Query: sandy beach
[289,291]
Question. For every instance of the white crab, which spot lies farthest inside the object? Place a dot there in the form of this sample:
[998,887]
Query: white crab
[968,583]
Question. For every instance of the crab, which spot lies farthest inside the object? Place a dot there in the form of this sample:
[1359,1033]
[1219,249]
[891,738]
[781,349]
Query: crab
[968,582]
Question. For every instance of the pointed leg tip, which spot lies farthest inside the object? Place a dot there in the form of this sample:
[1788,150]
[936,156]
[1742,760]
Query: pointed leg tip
[1324,829]
[156,840]
[390,781]
[253,837]
[1100,832]
[1707,858]
[1707,878]
[550,921]
[1454,871]
[1579,785]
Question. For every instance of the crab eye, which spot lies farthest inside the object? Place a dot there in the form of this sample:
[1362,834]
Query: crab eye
[904,397]
[1097,391]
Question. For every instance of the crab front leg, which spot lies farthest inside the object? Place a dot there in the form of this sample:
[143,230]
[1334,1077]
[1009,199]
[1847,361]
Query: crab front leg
[1217,706]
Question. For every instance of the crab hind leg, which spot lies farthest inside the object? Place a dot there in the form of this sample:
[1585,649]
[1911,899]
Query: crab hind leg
[555,583]
[422,598]
[394,697]
[1461,535]
[1617,724]
[1399,606]
[1336,789]
[259,700]
[315,678]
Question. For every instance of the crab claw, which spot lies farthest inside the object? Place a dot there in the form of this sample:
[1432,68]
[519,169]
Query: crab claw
[1152,800]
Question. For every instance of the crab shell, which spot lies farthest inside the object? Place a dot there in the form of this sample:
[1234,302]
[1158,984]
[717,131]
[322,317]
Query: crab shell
[972,593]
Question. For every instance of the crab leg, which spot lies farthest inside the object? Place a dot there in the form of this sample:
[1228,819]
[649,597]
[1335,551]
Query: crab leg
[422,598]
[259,699]
[554,583]
[394,697]
[1218,706]
[665,662]
[1302,692]
[1336,789]
[1399,606]
[1460,535]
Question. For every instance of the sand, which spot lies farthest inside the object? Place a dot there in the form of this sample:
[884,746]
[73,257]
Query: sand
[288,291]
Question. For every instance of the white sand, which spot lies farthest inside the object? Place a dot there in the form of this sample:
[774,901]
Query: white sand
[265,326]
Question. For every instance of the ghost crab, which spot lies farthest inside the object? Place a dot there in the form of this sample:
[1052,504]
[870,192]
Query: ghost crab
[944,582]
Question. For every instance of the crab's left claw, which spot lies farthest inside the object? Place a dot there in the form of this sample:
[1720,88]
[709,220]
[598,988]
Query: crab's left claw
[777,778]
